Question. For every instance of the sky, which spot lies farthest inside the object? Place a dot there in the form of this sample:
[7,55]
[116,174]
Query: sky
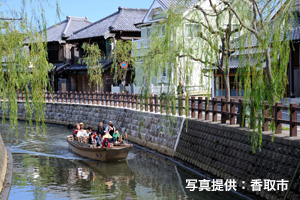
[94,10]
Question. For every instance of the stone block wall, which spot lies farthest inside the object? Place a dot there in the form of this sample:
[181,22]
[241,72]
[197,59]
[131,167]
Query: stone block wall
[3,163]
[144,128]
[226,152]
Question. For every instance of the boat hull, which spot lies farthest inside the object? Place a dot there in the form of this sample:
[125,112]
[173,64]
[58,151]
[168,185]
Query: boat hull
[102,154]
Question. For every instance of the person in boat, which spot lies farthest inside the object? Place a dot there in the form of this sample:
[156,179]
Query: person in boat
[116,136]
[98,140]
[101,129]
[91,136]
[106,139]
[111,129]
[82,135]
[76,131]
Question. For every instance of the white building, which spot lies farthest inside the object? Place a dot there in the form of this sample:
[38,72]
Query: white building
[195,81]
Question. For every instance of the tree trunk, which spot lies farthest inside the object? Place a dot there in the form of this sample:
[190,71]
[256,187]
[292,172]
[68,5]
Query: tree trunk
[226,78]
[124,79]
[227,87]
[227,90]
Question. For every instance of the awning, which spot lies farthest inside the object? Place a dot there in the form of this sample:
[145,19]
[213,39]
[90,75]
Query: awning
[130,38]
[59,67]
[83,67]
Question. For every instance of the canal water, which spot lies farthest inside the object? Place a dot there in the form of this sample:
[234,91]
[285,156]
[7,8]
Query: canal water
[44,168]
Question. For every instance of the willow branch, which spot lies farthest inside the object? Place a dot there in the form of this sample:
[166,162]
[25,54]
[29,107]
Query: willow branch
[11,19]
[240,20]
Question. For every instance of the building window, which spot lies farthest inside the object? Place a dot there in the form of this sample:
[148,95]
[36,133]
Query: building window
[157,13]
[144,33]
[236,86]
[108,47]
[53,53]
[149,31]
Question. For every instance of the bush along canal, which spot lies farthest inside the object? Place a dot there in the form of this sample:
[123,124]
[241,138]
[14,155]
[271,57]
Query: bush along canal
[46,169]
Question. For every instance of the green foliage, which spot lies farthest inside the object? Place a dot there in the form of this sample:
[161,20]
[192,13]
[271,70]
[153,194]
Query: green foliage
[122,53]
[218,32]
[263,68]
[92,58]
[24,66]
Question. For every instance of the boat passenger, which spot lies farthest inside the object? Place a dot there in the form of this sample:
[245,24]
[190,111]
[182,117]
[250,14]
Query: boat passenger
[82,134]
[101,129]
[111,129]
[99,140]
[76,131]
[106,139]
[116,136]
[91,136]
[109,123]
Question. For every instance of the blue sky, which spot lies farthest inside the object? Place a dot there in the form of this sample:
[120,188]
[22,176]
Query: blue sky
[92,9]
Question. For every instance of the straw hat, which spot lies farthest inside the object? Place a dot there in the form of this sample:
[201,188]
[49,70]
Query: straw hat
[80,123]
[109,183]
[107,135]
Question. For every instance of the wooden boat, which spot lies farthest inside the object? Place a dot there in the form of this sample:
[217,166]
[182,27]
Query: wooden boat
[103,154]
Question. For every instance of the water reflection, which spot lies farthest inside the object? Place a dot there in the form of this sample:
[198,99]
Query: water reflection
[48,170]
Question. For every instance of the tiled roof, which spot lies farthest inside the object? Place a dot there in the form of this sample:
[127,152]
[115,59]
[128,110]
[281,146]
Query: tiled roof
[122,20]
[295,33]
[127,18]
[235,63]
[66,28]
[167,3]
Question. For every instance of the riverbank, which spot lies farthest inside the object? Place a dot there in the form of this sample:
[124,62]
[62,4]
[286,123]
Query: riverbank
[222,150]
[6,170]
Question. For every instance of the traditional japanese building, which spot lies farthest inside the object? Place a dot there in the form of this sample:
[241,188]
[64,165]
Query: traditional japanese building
[105,32]
[59,51]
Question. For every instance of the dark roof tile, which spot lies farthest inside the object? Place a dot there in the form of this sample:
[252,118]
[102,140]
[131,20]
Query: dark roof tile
[122,20]
[66,28]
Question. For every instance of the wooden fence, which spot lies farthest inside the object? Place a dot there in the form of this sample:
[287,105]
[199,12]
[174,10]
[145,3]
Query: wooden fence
[199,108]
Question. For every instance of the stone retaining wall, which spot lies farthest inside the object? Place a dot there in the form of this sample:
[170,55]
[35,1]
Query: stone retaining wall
[226,152]
[3,163]
[144,128]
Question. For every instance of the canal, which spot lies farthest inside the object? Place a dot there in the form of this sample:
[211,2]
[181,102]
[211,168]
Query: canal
[44,168]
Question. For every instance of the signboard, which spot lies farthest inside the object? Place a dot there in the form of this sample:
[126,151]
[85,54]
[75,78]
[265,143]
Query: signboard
[124,64]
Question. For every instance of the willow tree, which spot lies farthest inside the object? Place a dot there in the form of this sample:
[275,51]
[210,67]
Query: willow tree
[217,29]
[264,52]
[227,28]
[122,53]
[164,53]
[24,66]
[93,57]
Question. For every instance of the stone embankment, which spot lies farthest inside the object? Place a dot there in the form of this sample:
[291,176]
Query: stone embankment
[151,130]
[226,152]
[6,171]
[3,163]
